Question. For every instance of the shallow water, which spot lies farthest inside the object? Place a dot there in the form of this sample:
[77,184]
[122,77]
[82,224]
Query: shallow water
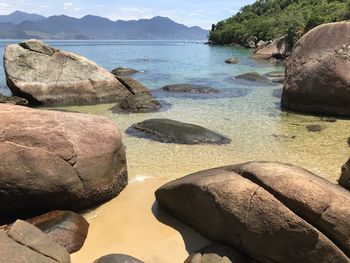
[248,113]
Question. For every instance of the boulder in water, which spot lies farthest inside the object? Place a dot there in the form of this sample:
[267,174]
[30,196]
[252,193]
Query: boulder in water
[170,131]
[189,88]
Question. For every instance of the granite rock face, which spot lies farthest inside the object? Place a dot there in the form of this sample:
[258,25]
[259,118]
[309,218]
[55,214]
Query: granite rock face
[272,212]
[57,160]
[317,72]
[45,75]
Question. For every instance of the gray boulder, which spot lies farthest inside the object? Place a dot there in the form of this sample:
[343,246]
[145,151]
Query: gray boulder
[24,243]
[139,103]
[134,86]
[44,75]
[253,76]
[317,73]
[170,131]
[122,72]
[117,258]
[279,49]
[273,212]
[189,88]
[57,160]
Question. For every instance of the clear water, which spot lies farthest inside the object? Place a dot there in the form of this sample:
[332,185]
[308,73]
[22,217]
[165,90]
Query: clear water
[247,112]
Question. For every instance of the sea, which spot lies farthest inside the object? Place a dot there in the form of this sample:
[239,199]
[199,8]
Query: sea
[247,112]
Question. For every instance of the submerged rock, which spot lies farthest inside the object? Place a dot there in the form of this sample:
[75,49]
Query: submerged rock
[315,128]
[170,131]
[253,76]
[140,103]
[189,88]
[272,212]
[66,228]
[134,86]
[57,160]
[277,93]
[232,60]
[120,72]
[24,243]
[275,74]
[317,79]
[117,258]
[44,75]
[13,100]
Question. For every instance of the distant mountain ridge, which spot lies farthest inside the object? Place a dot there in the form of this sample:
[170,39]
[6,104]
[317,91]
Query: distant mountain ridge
[21,25]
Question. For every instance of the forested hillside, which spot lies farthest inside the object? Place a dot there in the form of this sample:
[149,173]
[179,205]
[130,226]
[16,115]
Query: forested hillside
[268,19]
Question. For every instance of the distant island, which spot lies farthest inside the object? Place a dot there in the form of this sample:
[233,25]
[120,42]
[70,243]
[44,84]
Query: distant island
[21,25]
[267,20]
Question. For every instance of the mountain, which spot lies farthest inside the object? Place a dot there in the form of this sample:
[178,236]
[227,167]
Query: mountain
[95,27]
[269,19]
[18,17]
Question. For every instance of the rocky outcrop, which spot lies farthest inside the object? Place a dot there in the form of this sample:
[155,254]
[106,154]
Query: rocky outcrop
[170,131]
[317,79]
[13,100]
[24,243]
[189,88]
[251,42]
[140,103]
[262,44]
[232,60]
[344,179]
[273,212]
[253,76]
[57,160]
[122,72]
[45,75]
[279,49]
[117,258]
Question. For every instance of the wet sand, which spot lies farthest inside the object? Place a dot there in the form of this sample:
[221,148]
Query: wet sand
[133,224]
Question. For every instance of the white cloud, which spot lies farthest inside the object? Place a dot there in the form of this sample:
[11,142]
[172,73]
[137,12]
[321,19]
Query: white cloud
[67,5]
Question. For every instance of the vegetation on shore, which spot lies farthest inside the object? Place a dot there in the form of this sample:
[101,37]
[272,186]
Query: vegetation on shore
[269,19]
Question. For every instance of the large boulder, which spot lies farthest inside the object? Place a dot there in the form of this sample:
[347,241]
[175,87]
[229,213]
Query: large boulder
[317,73]
[45,75]
[344,179]
[279,49]
[134,86]
[57,160]
[271,211]
[171,131]
[24,243]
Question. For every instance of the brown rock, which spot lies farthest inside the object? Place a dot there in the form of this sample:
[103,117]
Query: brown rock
[134,86]
[44,75]
[278,49]
[66,228]
[344,179]
[24,243]
[272,212]
[120,72]
[317,79]
[57,160]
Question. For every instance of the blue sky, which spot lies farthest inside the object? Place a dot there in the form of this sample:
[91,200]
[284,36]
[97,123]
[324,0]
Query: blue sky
[189,12]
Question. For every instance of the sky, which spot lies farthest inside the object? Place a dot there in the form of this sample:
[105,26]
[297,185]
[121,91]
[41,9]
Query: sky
[201,13]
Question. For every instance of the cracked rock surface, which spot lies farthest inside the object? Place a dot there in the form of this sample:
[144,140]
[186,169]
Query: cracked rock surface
[317,72]
[24,243]
[44,75]
[57,160]
[272,212]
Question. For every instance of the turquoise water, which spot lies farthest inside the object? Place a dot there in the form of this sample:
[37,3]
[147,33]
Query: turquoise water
[247,112]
